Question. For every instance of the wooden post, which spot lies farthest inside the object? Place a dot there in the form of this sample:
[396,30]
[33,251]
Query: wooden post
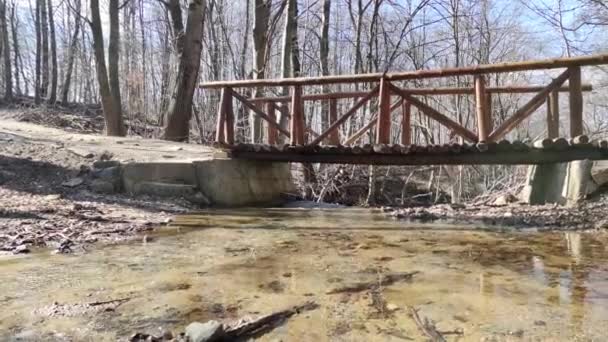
[481,108]
[297,117]
[383,128]
[221,116]
[576,102]
[490,119]
[229,122]
[406,123]
[553,115]
[273,134]
[334,136]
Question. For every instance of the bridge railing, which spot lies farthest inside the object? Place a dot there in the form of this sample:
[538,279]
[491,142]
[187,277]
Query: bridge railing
[385,87]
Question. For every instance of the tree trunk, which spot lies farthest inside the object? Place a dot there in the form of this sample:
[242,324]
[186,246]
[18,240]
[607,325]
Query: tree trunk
[111,108]
[16,53]
[261,20]
[180,108]
[71,56]
[44,32]
[8,73]
[324,56]
[53,91]
[37,94]
[114,52]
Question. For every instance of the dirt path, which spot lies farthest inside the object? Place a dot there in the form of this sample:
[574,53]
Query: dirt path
[43,203]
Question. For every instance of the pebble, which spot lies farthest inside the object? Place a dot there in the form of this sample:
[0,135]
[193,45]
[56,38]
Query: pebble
[205,332]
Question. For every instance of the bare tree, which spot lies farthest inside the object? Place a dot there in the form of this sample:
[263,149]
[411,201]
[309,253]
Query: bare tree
[8,73]
[177,127]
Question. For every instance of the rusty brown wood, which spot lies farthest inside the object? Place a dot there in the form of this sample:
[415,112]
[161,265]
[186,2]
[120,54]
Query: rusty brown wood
[419,91]
[221,116]
[418,74]
[553,115]
[490,119]
[576,102]
[334,136]
[406,123]
[437,116]
[297,116]
[273,134]
[259,112]
[229,122]
[481,108]
[372,122]
[383,128]
[527,109]
[346,115]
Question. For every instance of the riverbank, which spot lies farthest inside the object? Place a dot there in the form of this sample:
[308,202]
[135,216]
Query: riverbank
[588,215]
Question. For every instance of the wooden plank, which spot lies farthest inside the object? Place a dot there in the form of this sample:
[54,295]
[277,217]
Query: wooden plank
[273,134]
[383,128]
[334,136]
[490,119]
[553,115]
[418,74]
[481,108]
[346,115]
[406,123]
[297,116]
[465,157]
[260,113]
[435,115]
[221,117]
[576,102]
[527,109]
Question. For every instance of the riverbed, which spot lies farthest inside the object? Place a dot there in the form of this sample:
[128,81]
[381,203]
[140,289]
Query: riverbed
[233,264]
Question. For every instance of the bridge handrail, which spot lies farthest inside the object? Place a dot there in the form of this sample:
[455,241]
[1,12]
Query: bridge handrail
[544,64]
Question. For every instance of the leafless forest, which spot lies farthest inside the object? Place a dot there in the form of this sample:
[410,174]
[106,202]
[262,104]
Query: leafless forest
[142,60]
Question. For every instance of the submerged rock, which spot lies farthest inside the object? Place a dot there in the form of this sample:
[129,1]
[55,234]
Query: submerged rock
[205,332]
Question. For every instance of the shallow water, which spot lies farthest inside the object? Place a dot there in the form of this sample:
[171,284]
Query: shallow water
[230,264]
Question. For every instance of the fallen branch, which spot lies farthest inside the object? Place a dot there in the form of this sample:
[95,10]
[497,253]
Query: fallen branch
[266,323]
[119,301]
[426,326]
[387,279]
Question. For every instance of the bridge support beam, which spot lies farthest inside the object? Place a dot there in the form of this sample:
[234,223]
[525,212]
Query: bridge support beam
[383,129]
[481,108]
[553,115]
[406,123]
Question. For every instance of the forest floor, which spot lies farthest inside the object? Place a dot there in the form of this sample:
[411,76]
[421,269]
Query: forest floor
[44,203]
[46,158]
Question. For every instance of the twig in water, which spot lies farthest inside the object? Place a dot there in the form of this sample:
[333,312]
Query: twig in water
[426,326]
[119,301]
[386,280]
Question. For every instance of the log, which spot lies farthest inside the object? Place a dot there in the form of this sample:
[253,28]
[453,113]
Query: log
[334,136]
[417,74]
[560,144]
[297,117]
[273,134]
[527,109]
[553,115]
[419,91]
[366,128]
[383,128]
[221,116]
[406,123]
[576,101]
[481,108]
[580,140]
[382,149]
[544,143]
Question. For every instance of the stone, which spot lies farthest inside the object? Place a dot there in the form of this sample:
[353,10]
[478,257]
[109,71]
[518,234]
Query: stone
[74,182]
[102,186]
[503,200]
[103,164]
[110,174]
[162,189]
[5,176]
[198,198]
[205,332]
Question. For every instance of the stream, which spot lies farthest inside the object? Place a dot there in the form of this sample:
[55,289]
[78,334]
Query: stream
[231,264]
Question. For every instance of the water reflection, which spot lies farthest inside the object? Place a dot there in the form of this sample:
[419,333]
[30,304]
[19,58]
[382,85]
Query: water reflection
[231,264]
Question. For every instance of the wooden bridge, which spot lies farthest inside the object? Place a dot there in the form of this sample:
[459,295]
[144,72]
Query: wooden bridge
[291,139]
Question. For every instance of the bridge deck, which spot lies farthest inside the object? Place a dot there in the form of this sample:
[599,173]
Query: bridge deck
[504,152]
